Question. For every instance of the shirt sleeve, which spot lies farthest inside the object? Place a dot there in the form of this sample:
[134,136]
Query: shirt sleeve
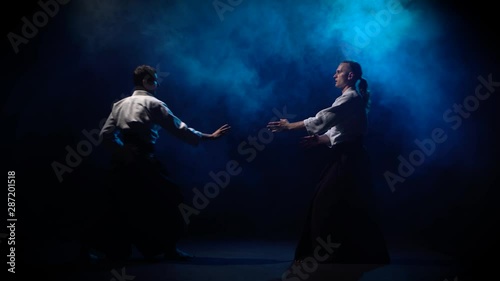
[109,134]
[172,124]
[329,117]
[329,134]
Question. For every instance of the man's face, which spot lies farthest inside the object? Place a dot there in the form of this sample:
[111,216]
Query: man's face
[151,84]
[341,76]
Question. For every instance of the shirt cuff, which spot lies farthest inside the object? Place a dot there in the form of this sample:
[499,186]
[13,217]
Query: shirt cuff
[309,127]
[330,140]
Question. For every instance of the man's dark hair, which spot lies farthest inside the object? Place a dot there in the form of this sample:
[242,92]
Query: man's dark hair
[143,71]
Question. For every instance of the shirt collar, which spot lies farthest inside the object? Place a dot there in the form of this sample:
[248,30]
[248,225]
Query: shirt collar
[141,93]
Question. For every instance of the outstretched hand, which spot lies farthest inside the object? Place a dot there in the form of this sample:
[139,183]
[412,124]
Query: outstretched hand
[310,141]
[278,126]
[221,131]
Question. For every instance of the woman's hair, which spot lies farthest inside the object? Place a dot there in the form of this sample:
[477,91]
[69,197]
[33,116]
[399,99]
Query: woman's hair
[143,71]
[362,84]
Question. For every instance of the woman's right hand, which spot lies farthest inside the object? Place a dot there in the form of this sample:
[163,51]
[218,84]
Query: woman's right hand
[278,126]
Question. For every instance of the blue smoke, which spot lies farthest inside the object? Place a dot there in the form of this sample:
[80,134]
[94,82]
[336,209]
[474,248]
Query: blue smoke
[238,60]
[268,53]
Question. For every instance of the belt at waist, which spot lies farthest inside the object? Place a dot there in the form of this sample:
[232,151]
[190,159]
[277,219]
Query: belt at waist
[137,142]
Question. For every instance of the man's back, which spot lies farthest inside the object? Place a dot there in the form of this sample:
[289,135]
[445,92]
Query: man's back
[140,117]
[137,115]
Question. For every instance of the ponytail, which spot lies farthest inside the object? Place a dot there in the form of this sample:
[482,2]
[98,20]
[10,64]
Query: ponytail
[363,90]
[355,67]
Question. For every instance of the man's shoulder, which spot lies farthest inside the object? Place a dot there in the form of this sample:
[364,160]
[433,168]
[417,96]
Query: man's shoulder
[152,100]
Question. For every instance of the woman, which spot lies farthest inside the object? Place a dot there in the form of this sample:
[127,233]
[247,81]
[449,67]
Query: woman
[342,204]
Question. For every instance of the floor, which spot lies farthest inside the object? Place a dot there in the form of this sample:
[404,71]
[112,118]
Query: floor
[240,260]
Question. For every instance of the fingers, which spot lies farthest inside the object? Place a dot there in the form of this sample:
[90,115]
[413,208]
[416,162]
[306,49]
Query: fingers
[225,127]
[274,129]
[222,130]
[274,126]
[274,123]
[308,141]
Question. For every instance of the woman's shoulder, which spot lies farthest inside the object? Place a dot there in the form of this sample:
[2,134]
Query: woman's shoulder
[349,95]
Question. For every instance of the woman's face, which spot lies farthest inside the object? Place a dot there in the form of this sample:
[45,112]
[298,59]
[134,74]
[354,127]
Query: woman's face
[341,76]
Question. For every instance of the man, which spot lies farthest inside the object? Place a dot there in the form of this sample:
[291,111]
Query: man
[142,196]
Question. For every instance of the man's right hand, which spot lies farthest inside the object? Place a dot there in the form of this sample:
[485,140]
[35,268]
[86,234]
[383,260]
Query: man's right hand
[220,132]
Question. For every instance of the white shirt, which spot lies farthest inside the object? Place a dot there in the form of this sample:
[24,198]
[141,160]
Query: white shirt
[144,115]
[345,120]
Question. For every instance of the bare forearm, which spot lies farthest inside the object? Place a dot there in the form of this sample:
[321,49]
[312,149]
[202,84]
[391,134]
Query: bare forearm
[324,139]
[217,134]
[284,125]
[205,136]
[295,125]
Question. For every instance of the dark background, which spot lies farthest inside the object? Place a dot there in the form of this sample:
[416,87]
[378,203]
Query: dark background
[263,55]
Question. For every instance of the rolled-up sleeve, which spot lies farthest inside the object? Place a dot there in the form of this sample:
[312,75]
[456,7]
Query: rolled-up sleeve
[329,117]
[172,124]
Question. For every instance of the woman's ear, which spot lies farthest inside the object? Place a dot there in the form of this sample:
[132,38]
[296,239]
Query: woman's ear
[350,75]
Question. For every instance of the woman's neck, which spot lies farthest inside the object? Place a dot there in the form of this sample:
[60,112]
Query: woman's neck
[347,88]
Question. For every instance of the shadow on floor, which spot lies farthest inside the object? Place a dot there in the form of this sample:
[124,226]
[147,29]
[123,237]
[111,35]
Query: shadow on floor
[324,272]
[230,261]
